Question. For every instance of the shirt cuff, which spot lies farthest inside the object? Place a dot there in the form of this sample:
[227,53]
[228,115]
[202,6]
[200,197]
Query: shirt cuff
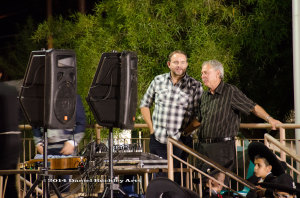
[74,143]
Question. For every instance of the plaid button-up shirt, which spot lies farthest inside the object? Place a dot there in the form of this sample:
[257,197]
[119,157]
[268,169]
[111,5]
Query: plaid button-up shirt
[175,105]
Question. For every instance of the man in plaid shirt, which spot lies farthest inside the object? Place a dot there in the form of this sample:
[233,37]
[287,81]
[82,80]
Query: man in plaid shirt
[176,96]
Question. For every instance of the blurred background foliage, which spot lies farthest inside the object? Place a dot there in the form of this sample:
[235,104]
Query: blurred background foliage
[252,38]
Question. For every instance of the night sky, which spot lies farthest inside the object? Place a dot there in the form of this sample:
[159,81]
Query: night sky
[14,13]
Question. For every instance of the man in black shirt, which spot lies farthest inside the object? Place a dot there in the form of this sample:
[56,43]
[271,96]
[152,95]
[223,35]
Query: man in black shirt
[219,114]
[10,137]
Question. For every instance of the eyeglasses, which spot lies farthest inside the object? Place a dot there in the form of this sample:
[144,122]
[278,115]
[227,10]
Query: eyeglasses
[177,62]
[281,196]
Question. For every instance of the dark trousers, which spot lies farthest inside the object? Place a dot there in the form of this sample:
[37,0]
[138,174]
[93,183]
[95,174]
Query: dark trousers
[9,155]
[222,152]
[160,149]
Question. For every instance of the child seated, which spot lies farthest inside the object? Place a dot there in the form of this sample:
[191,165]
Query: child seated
[282,186]
[267,167]
[214,188]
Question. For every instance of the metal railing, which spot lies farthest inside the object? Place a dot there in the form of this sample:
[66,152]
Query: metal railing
[286,154]
[199,173]
[241,144]
[28,145]
[284,151]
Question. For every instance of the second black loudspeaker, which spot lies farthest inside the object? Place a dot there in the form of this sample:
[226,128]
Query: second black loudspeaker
[113,94]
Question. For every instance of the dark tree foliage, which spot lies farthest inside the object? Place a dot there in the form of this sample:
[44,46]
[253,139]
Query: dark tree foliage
[252,38]
[266,56]
[14,61]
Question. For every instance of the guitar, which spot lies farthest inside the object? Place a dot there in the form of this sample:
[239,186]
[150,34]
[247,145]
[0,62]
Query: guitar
[58,163]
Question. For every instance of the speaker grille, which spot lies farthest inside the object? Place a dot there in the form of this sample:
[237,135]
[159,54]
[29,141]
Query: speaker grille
[65,102]
[60,89]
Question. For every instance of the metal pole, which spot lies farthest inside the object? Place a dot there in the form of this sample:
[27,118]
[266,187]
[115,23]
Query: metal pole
[296,64]
[98,133]
[45,168]
[81,6]
[283,142]
[49,16]
[111,170]
[170,160]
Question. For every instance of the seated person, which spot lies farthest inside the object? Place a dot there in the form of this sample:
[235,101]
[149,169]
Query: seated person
[62,142]
[267,167]
[213,188]
[282,186]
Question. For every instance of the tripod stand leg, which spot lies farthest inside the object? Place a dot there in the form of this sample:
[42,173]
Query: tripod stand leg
[46,192]
[104,192]
[113,188]
[120,190]
[39,180]
[56,190]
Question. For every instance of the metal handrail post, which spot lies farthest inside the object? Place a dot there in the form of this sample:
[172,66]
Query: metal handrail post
[282,141]
[170,160]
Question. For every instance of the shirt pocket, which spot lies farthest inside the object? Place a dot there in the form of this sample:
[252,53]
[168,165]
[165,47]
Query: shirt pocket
[162,97]
[182,100]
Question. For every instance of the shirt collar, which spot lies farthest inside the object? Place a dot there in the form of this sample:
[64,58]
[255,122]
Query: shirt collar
[262,180]
[182,80]
[220,87]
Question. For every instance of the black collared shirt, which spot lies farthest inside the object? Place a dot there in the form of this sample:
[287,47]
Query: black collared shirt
[219,113]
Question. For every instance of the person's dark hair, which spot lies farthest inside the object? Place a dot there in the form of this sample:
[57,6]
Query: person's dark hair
[264,159]
[176,52]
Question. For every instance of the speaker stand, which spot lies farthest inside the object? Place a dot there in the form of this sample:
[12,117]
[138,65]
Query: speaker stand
[111,187]
[44,176]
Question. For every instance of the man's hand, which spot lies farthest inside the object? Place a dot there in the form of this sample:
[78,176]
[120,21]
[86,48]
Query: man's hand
[260,112]
[68,148]
[40,148]
[191,127]
[273,123]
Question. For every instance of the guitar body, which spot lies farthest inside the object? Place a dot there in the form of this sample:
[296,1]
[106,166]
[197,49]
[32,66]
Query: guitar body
[56,163]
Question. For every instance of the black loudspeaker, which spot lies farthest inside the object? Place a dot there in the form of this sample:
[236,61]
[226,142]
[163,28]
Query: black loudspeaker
[48,94]
[32,92]
[113,94]
[60,89]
